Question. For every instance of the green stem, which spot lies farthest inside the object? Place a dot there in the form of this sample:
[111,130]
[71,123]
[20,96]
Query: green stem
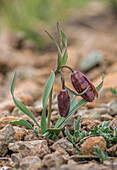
[49,108]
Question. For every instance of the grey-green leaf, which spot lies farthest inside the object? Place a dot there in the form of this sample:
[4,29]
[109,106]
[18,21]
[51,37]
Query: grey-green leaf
[63,37]
[55,130]
[22,122]
[43,121]
[76,94]
[65,56]
[48,88]
[68,134]
[59,51]
[19,104]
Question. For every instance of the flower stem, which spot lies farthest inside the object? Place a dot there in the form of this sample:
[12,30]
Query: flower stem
[49,107]
[66,66]
[62,79]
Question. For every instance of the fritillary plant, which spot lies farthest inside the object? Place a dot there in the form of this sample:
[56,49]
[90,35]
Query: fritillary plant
[66,107]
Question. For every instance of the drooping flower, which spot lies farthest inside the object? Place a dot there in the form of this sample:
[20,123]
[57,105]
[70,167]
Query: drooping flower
[80,82]
[63,102]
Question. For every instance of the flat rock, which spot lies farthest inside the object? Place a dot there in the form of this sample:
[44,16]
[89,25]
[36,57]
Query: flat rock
[7,135]
[30,148]
[64,154]
[88,146]
[30,136]
[77,157]
[89,166]
[112,151]
[62,143]
[93,59]
[6,104]
[30,162]
[16,159]
[53,160]
[4,121]
[19,132]
[112,105]
[93,113]
[106,117]
[113,123]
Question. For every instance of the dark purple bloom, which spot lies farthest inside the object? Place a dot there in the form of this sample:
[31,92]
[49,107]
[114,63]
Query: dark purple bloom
[80,82]
[63,103]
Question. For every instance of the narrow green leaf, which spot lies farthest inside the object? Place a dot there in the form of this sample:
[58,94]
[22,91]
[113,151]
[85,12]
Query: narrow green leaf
[100,85]
[59,51]
[43,121]
[114,91]
[54,138]
[63,37]
[22,122]
[55,130]
[13,83]
[48,88]
[77,127]
[19,104]
[77,106]
[65,57]
[59,122]
[78,150]
[83,135]
[74,140]
[106,123]
[73,103]
[77,94]
[61,44]
[69,135]
[102,155]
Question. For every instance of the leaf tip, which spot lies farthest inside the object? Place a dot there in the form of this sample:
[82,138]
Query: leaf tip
[45,30]
[103,77]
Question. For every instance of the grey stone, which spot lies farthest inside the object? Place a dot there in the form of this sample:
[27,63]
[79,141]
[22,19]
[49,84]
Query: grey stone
[30,163]
[115,163]
[111,105]
[113,123]
[88,166]
[53,160]
[112,151]
[7,135]
[16,159]
[17,112]
[32,148]
[63,143]
[93,113]
[5,168]
[106,117]
[93,59]
[64,154]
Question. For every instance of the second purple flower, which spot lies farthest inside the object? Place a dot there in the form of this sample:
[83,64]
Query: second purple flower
[80,82]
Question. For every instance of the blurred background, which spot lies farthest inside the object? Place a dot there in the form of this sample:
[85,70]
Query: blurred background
[90,27]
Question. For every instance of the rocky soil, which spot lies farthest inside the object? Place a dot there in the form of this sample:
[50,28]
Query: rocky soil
[92,49]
